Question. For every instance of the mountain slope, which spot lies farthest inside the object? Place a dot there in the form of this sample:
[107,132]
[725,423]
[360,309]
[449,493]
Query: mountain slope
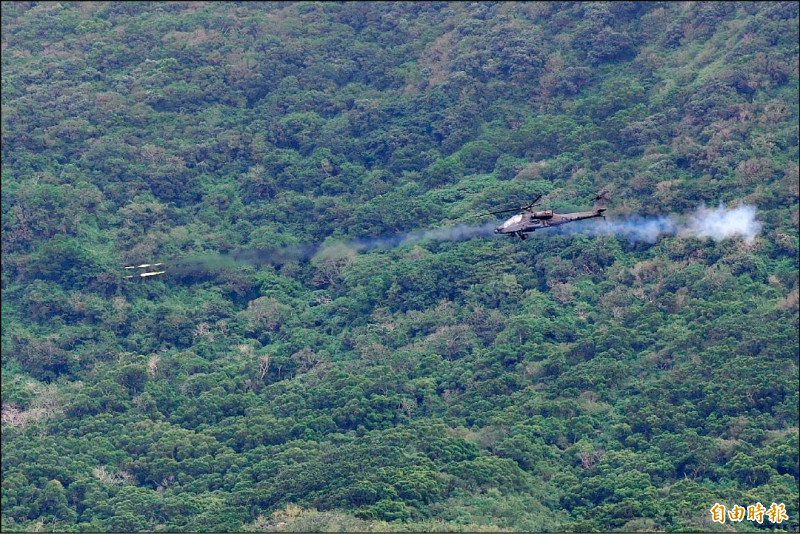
[568,382]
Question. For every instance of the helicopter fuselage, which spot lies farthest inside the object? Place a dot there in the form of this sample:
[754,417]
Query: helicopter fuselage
[530,221]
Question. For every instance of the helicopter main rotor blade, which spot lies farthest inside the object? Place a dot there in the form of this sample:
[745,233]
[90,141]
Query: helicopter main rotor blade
[523,208]
[506,211]
[501,211]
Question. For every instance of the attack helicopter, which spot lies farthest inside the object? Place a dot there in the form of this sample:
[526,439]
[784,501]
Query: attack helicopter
[530,220]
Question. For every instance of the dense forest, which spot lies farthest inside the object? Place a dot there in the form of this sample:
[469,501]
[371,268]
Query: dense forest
[568,382]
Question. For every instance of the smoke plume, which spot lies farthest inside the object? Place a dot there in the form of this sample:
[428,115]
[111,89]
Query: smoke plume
[721,223]
[717,224]
[281,255]
[455,233]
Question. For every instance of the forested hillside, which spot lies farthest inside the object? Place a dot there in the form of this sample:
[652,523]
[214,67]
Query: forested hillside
[567,382]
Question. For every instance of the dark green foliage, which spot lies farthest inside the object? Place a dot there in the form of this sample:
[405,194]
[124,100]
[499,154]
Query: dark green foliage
[569,382]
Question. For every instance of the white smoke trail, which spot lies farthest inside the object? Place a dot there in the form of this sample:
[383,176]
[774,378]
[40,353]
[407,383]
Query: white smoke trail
[454,233]
[717,224]
[282,254]
[721,224]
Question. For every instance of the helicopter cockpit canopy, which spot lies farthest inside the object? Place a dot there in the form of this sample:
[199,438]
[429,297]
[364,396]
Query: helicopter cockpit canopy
[513,220]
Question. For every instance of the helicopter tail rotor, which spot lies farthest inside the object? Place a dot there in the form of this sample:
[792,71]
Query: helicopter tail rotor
[600,200]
